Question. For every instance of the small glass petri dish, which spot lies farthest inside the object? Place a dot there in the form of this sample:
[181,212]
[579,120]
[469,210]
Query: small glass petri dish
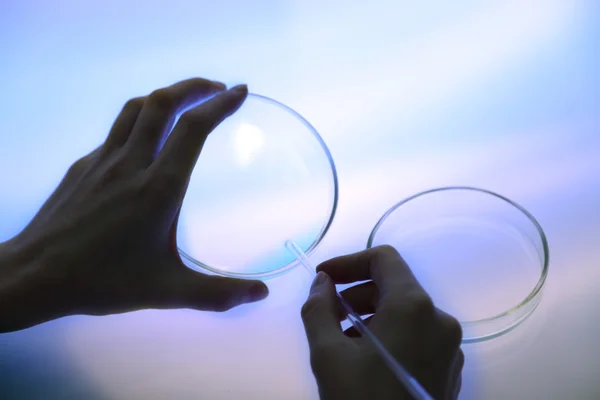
[481,257]
[264,176]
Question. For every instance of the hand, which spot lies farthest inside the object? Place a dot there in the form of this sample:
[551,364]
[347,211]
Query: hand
[105,242]
[424,339]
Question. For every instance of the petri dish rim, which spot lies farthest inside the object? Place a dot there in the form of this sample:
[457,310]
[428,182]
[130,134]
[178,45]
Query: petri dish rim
[531,298]
[203,267]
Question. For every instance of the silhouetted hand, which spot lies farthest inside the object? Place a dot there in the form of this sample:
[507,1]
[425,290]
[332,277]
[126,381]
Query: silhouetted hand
[104,242]
[423,338]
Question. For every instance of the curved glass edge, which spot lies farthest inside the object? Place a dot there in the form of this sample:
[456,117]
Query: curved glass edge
[499,324]
[202,267]
[475,332]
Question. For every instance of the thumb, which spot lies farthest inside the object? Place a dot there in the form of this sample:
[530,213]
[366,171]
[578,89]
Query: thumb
[320,313]
[216,293]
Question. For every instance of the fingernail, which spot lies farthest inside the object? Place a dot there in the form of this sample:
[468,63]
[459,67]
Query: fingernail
[258,291]
[219,85]
[319,280]
[240,88]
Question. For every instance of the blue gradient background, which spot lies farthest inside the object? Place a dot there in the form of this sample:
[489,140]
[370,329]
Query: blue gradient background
[498,94]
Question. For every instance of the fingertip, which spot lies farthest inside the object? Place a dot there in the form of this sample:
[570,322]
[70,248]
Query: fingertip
[323,267]
[232,99]
[217,293]
[336,269]
[243,88]
[320,280]
[258,291]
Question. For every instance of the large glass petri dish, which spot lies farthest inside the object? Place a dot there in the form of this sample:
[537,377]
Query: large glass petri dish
[264,176]
[481,257]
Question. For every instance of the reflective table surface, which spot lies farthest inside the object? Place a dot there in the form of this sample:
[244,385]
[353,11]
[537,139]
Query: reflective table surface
[502,95]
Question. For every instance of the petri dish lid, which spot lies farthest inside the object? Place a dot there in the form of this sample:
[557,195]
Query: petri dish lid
[265,176]
[481,257]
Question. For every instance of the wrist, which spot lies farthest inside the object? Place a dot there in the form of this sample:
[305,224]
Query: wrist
[26,297]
